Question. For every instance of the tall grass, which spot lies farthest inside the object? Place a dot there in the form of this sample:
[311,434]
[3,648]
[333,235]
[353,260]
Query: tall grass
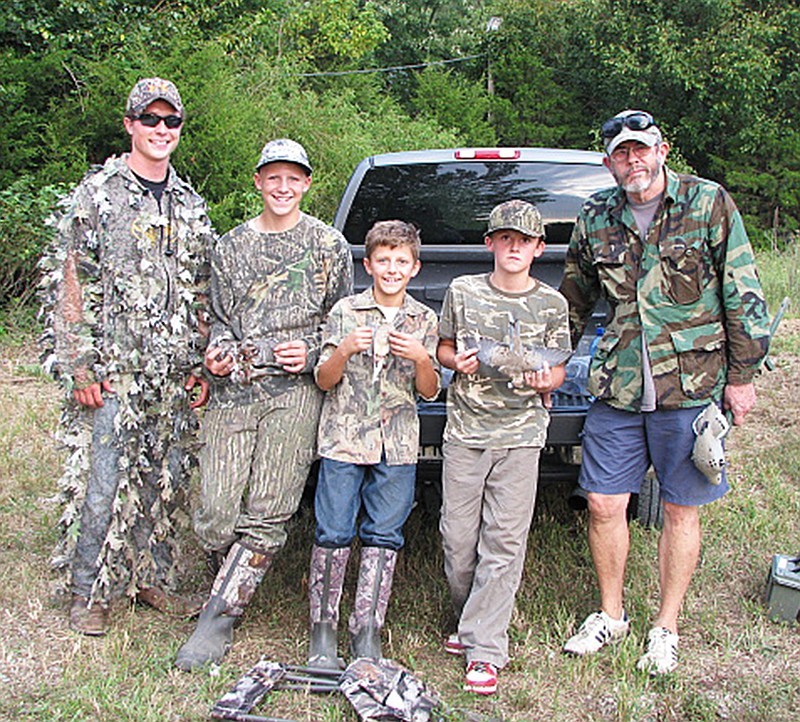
[779,270]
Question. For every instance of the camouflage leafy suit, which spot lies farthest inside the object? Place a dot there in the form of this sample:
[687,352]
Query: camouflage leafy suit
[124,285]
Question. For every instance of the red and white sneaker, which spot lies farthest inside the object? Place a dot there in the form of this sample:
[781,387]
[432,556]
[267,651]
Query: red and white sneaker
[452,645]
[481,678]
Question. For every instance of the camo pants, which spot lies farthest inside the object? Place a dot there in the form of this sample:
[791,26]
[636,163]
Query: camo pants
[488,500]
[254,464]
[98,508]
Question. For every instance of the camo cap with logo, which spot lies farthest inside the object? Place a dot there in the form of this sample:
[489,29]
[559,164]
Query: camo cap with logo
[516,215]
[149,90]
[285,150]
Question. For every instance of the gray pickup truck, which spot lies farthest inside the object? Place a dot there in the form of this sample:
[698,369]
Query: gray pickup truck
[448,194]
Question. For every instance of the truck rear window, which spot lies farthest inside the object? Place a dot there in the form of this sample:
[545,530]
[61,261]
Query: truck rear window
[451,202]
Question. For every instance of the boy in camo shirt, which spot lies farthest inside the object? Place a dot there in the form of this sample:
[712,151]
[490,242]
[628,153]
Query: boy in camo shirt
[378,353]
[273,281]
[495,430]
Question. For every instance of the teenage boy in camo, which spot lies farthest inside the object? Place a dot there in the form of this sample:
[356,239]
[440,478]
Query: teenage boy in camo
[688,327]
[378,354]
[274,280]
[495,431]
[125,284]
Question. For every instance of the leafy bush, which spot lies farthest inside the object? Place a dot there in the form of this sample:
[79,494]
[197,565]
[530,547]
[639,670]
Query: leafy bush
[23,235]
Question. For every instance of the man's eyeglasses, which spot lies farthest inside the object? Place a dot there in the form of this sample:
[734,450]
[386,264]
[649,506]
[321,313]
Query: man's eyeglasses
[634,121]
[151,120]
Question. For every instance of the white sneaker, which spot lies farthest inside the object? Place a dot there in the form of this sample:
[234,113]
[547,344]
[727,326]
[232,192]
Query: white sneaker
[597,630]
[661,656]
[453,645]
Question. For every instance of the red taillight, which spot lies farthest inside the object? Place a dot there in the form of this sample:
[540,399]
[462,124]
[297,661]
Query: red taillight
[488,154]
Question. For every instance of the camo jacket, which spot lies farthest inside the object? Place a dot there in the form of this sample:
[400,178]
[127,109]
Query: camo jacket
[125,282]
[486,412]
[692,289]
[124,289]
[273,287]
[373,408]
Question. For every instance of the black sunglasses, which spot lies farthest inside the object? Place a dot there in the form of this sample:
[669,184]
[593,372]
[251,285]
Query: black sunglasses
[151,120]
[634,121]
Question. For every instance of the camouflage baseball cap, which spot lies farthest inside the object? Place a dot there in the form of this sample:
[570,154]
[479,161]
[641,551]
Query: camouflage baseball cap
[149,90]
[288,151]
[516,215]
[635,125]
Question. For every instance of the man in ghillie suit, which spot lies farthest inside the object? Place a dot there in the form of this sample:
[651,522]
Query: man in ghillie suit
[124,290]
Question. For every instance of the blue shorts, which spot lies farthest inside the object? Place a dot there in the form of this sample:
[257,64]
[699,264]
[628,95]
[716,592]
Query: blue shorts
[620,446]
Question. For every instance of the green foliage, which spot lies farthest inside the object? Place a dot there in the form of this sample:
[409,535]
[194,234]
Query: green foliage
[779,270]
[453,101]
[421,31]
[721,76]
[23,207]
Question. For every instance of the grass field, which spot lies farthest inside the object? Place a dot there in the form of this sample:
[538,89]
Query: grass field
[736,664]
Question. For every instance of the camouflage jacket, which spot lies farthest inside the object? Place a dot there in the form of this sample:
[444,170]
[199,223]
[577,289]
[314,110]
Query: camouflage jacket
[273,287]
[373,408]
[484,411]
[123,287]
[692,289]
[125,282]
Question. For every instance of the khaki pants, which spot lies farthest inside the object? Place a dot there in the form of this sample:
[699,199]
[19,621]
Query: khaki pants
[253,465]
[489,495]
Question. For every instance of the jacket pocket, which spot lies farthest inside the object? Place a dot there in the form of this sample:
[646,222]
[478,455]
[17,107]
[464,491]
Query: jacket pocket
[683,267]
[701,358]
[612,265]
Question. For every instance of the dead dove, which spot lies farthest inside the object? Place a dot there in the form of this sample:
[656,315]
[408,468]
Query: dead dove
[512,360]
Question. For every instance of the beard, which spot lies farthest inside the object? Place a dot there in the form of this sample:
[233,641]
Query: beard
[641,184]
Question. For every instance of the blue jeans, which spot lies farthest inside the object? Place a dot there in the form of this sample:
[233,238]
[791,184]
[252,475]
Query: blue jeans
[385,492]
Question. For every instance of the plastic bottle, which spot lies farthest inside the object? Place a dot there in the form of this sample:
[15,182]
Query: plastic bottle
[596,340]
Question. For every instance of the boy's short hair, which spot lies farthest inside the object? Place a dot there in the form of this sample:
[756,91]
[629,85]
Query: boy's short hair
[394,234]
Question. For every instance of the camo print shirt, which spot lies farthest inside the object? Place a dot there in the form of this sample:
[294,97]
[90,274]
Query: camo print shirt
[373,408]
[273,287]
[486,412]
[692,289]
[125,282]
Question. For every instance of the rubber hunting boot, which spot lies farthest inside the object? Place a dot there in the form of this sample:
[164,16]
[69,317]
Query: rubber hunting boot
[325,582]
[234,586]
[375,575]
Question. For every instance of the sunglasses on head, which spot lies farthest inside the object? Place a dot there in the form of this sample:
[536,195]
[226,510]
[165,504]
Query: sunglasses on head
[634,121]
[151,120]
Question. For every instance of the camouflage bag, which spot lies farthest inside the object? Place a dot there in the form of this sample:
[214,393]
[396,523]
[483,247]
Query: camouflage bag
[384,691]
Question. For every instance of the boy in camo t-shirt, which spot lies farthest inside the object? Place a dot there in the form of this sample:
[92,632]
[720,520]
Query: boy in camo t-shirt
[378,354]
[506,335]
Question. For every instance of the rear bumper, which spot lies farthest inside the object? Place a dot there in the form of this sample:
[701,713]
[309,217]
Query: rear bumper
[566,421]
[563,434]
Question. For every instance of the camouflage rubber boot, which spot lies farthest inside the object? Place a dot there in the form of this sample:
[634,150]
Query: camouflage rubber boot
[375,575]
[325,582]
[233,588]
